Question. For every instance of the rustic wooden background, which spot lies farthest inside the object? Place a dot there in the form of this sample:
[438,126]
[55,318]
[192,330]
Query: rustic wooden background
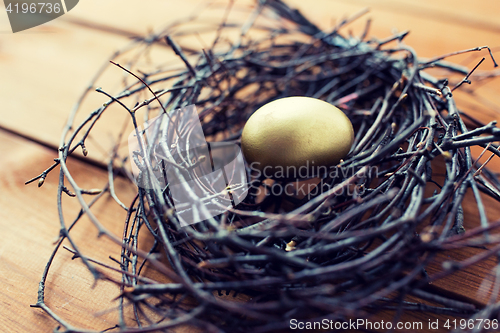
[43,71]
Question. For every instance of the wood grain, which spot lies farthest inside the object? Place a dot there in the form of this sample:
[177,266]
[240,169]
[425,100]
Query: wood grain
[42,73]
[45,84]
[29,225]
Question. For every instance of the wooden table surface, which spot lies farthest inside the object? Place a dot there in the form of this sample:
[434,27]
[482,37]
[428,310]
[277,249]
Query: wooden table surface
[43,71]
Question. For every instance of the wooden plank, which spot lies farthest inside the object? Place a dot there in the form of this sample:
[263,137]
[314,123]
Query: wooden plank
[46,68]
[43,73]
[29,224]
[472,14]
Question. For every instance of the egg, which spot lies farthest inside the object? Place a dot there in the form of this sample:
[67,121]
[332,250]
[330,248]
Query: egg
[296,134]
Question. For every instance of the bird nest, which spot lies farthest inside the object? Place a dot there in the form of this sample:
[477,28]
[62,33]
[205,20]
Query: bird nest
[356,244]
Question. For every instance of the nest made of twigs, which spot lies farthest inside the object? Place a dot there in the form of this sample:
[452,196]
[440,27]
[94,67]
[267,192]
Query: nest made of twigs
[365,236]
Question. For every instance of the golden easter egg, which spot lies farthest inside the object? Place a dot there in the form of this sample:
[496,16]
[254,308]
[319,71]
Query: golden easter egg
[295,134]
